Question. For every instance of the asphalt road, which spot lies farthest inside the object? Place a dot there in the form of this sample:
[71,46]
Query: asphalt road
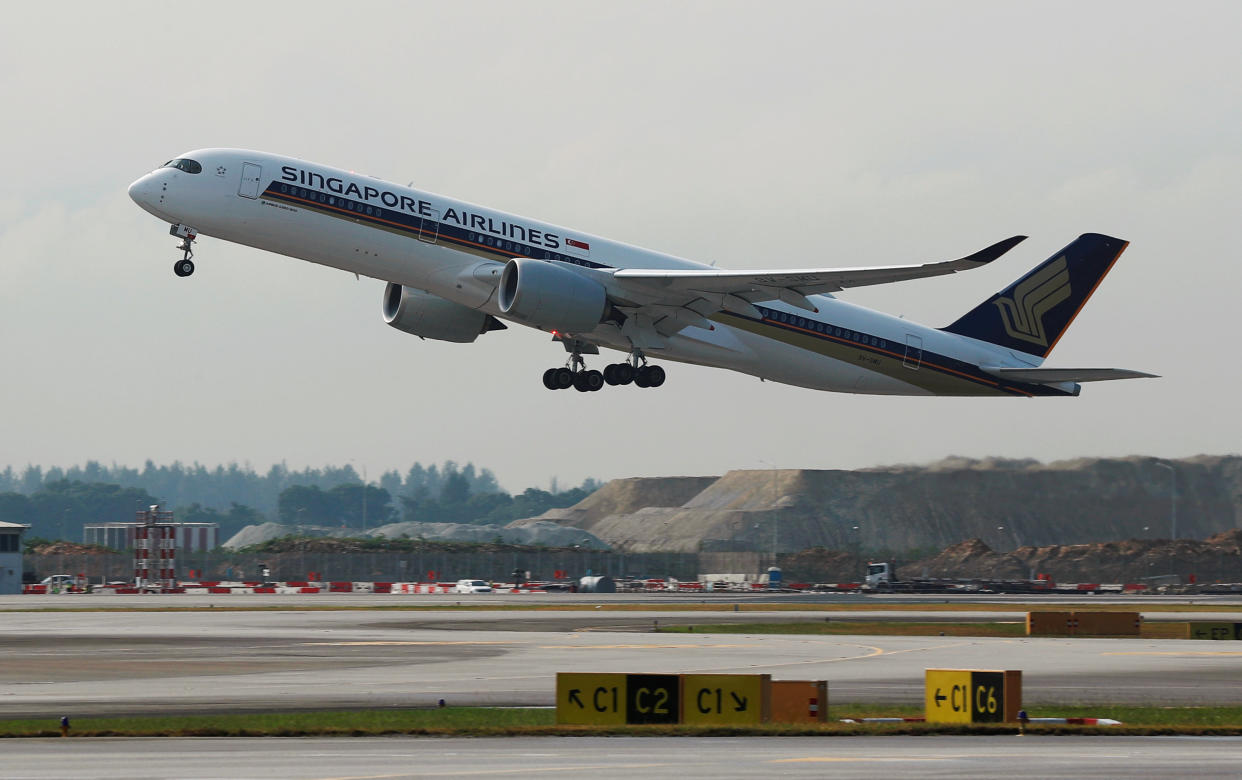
[152,662]
[911,758]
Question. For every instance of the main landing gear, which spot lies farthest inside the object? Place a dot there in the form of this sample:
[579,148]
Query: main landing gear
[576,375]
[184,266]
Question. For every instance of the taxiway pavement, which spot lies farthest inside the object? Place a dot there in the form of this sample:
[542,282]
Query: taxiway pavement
[911,758]
[136,662]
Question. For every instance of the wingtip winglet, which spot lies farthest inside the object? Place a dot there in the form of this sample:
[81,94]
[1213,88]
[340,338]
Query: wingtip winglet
[995,250]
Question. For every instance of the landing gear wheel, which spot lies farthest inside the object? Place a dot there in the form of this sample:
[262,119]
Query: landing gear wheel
[593,380]
[618,373]
[641,377]
[564,378]
[183,267]
[580,382]
[549,379]
[655,376]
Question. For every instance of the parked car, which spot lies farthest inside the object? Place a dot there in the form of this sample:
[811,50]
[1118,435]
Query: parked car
[472,586]
[61,583]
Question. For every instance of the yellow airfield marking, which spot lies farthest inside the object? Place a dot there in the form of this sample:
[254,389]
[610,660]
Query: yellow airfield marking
[860,759]
[1178,652]
[514,771]
[382,643]
[872,652]
[635,647]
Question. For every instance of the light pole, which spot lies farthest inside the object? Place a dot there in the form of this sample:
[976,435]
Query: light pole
[364,493]
[775,510]
[1172,498]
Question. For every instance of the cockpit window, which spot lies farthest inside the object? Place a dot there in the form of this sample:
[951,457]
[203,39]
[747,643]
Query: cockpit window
[183,164]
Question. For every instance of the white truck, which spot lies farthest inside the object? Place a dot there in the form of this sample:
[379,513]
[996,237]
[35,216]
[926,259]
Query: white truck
[880,575]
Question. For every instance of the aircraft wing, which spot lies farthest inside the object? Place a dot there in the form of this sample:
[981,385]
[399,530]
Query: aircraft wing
[1052,376]
[669,300]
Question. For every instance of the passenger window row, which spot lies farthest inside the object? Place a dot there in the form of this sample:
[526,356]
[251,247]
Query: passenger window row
[821,327]
[447,230]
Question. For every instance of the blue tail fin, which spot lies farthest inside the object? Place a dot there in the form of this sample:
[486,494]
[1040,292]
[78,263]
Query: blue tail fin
[1031,314]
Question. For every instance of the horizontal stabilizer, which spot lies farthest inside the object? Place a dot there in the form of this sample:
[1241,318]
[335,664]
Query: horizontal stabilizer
[1054,376]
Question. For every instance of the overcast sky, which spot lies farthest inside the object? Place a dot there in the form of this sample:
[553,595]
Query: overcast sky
[756,135]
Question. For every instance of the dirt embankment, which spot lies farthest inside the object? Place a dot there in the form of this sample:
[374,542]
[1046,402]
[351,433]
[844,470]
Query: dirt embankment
[68,548]
[821,565]
[1008,504]
[1215,559]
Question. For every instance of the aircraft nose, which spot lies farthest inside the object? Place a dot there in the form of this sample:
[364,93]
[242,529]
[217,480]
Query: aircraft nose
[149,193]
[140,192]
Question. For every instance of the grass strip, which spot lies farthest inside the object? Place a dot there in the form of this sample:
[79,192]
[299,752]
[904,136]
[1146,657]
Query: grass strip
[1150,630]
[857,627]
[488,721]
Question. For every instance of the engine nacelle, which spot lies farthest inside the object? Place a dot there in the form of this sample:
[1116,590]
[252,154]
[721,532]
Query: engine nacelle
[414,311]
[549,296]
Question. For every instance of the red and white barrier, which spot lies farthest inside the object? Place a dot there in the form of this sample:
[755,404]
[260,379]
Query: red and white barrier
[1079,721]
[416,588]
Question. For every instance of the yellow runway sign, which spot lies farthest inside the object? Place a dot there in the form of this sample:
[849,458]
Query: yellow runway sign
[714,699]
[590,699]
[1199,630]
[972,696]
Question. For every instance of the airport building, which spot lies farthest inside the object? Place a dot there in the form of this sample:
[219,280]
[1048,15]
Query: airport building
[11,557]
[187,537]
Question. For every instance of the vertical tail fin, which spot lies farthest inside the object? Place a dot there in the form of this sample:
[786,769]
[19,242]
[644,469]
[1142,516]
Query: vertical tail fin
[1031,314]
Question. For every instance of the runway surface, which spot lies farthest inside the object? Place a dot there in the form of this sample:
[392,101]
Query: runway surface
[911,758]
[152,662]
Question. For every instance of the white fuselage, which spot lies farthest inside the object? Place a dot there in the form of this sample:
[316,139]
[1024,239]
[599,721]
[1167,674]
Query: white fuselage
[454,250]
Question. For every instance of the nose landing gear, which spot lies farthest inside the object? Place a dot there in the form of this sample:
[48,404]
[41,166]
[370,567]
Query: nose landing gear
[184,266]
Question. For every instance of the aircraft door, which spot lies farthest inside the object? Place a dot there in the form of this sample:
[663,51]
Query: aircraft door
[914,352]
[251,174]
[431,228]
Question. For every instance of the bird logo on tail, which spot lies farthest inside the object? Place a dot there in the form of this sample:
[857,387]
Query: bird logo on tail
[1023,314]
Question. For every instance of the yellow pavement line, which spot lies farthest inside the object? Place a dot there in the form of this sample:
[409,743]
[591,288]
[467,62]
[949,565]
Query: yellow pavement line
[379,643]
[635,647]
[1178,652]
[860,759]
[511,771]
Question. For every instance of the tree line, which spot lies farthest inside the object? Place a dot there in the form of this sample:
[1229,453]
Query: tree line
[56,503]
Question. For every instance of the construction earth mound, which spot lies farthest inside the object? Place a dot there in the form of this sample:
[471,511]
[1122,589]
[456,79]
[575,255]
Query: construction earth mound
[1216,559]
[546,534]
[1008,504]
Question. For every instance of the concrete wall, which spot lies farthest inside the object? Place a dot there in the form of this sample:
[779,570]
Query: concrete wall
[10,572]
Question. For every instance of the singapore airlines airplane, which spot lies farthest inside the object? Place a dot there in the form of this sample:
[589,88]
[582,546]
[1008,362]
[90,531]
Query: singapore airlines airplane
[456,270]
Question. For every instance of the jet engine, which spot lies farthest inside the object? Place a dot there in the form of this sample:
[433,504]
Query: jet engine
[550,296]
[431,317]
